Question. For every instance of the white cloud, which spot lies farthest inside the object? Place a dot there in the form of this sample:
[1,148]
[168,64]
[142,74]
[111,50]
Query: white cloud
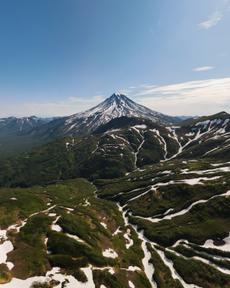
[212,21]
[201,97]
[203,68]
[216,17]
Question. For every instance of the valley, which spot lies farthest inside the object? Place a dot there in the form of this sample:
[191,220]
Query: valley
[179,217]
[145,240]
[136,202]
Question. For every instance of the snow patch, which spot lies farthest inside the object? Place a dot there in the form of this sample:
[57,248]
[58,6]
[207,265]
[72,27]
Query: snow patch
[110,253]
[104,225]
[54,274]
[131,285]
[226,247]
[128,238]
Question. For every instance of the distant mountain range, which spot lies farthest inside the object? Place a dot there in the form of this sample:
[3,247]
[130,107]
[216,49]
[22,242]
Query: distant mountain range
[24,125]
[116,112]
[115,106]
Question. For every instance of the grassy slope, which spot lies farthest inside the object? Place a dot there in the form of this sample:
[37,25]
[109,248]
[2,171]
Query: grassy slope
[204,221]
[30,252]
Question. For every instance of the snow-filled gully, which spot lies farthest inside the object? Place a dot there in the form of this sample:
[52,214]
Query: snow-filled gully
[192,181]
[148,267]
[135,128]
[183,211]
[162,141]
[174,273]
[197,136]
[168,215]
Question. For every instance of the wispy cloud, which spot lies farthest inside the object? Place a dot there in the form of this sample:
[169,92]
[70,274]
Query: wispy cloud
[216,17]
[201,97]
[203,68]
[188,98]
[212,21]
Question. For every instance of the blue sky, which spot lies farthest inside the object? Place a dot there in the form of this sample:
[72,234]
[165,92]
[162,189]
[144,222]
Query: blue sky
[58,57]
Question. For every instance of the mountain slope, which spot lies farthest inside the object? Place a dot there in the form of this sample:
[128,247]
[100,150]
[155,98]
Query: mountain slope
[115,106]
[108,154]
[182,209]
[20,126]
[16,137]
[22,134]
[120,146]
[84,236]
[207,136]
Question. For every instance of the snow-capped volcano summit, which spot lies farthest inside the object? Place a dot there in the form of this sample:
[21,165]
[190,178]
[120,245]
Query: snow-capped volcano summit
[117,105]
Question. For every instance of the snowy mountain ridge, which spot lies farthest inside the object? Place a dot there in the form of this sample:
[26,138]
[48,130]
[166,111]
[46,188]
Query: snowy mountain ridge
[20,125]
